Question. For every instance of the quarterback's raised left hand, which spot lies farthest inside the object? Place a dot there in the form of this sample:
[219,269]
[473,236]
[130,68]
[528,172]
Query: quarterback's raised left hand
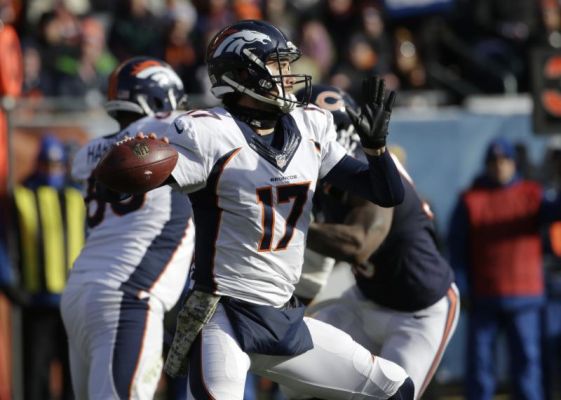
[372,120]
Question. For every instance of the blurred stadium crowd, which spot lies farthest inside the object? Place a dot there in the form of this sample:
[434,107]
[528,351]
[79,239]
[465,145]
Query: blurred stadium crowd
[433,52]
[453,47]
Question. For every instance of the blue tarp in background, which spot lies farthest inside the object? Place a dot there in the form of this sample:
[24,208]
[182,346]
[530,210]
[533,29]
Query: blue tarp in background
[445,150]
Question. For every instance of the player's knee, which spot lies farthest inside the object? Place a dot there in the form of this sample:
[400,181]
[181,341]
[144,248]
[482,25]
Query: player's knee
[405,392]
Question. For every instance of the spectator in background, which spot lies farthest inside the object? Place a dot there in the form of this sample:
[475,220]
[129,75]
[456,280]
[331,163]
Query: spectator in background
[35,9]
[374,30]
[284,15]
[49,230]
[59,37]
[551,17]
[96,62]
[135,31]
[247,9]
[181,51]
[85,74]
[495,243]
[361,62]
[50,165]
[35,81]
[316,44]
[341,18]
[409,66]
[10,11]
[213,15]
[74,58]
[505,31]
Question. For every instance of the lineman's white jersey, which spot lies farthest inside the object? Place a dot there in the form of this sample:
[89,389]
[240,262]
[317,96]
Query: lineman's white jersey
[142,245]
[252,203]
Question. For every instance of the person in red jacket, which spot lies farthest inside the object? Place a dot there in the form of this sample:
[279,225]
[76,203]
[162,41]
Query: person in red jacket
[495,244]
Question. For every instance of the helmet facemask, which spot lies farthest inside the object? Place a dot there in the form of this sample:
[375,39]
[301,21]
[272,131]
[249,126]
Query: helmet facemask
[267,85]
[166,102]
[283,95]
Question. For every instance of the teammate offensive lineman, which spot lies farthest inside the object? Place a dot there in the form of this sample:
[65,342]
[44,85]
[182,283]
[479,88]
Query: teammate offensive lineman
[404,305]
[137,254]
[250,169]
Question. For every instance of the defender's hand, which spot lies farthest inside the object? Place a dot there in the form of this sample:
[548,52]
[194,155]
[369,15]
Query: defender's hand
[371,121]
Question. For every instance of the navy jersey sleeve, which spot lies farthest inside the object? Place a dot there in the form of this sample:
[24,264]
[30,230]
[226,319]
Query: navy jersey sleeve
[378,181]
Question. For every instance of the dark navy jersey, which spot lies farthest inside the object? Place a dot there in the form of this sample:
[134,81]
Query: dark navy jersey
[407,271]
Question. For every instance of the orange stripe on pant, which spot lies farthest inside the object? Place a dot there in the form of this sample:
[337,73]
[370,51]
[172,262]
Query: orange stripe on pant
[450,320]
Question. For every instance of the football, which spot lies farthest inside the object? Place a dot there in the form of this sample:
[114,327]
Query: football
[136,165]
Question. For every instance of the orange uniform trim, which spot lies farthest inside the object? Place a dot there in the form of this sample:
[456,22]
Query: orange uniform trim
[450,320]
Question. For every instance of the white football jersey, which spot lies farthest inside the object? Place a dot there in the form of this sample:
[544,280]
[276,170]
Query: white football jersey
[251,202]
[142,245]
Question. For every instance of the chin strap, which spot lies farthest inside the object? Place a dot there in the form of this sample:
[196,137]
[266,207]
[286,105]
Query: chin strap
[256,118]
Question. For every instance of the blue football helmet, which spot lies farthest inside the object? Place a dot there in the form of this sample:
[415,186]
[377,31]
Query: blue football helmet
[237,60]
[146,86]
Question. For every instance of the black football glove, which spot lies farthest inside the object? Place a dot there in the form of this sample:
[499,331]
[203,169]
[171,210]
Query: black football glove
[371,121]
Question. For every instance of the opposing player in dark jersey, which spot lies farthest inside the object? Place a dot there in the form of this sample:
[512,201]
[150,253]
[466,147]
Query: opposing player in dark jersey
[404,305]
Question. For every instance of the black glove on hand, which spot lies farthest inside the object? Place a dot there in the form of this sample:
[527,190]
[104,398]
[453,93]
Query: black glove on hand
[371,121]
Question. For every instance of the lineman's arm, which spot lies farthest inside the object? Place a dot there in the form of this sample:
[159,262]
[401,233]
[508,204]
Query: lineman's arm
[364,229]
